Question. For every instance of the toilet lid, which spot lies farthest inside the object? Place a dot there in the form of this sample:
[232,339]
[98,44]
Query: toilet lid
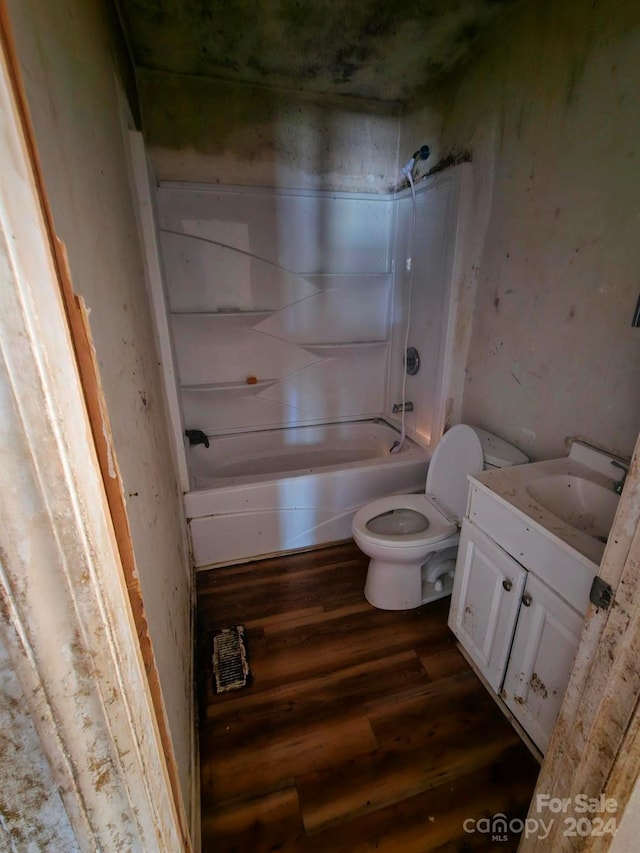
[457,454]
[497,451]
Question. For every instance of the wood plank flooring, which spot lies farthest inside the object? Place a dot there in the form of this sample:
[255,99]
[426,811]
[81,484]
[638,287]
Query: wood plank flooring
[363,729]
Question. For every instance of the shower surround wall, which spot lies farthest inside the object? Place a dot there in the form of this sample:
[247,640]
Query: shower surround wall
[279,304]
[287,311]
[438,259]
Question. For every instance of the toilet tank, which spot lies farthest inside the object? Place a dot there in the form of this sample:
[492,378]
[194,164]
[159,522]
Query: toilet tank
[497,452]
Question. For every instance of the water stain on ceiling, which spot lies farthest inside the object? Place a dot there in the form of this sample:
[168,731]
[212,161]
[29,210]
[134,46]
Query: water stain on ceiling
[375,49]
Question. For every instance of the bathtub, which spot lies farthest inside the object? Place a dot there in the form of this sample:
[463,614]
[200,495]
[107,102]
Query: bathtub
[281,490]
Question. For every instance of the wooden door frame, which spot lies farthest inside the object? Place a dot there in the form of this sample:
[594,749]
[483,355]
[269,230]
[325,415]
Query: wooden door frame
[73,619]
[595,746]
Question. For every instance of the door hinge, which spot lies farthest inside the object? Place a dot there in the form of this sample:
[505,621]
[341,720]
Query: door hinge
[601,594]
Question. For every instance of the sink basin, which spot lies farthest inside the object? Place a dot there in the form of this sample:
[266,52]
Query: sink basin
[585,505]
[569,502]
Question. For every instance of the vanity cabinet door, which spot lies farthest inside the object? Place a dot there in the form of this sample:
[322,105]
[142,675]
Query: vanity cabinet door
[544,645]
[487,589]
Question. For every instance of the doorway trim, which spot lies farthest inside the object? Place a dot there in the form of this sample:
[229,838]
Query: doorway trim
[68,623]
[595,745]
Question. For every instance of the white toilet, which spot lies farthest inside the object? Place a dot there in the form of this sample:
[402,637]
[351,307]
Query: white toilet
[412,540]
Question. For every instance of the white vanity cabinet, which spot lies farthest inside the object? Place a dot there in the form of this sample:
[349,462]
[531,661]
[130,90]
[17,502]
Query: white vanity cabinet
[519,634]
[544,645]
[487,588]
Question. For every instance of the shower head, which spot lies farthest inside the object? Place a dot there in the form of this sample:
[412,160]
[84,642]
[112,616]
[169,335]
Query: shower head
[407,169]
[421,154]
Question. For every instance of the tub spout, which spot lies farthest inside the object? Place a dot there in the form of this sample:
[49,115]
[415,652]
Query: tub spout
[399,407]
[196,436]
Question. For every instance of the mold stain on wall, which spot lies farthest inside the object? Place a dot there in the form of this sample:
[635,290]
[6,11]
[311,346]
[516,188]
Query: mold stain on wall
[302,94]
[362,48]
[221,132]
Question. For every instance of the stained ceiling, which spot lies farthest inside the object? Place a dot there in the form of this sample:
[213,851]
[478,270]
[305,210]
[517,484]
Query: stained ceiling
[384,50]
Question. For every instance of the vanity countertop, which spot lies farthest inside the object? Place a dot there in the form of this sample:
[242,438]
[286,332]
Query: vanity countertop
[512,486]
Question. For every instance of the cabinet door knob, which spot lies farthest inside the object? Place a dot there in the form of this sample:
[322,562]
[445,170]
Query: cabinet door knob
[506,584]
[526,599]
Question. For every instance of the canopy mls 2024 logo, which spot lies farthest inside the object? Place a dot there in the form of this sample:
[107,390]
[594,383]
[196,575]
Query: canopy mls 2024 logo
[581,816]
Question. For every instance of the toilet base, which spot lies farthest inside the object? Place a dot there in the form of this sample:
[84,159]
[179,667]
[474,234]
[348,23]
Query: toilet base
[393,586]
[404,586]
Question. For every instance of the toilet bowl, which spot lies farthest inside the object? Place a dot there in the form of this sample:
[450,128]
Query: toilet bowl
[412,539]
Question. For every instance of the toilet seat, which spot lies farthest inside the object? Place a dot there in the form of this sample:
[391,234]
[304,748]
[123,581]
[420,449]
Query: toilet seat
[457,454]
[439,527]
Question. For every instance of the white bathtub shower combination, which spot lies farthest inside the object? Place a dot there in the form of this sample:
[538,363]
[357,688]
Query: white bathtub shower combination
[281,322]
[279,490]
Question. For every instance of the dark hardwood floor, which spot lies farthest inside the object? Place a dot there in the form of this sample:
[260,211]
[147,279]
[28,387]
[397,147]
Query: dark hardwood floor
[363,729]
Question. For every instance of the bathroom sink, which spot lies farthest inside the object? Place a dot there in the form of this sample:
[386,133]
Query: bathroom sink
[566,507]
[578,501]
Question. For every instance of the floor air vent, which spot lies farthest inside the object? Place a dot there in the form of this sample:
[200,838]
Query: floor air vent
[231,669]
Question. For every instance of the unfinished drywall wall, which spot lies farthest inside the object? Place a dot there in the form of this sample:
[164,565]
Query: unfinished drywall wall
[551,114]
[66,52]
[230,133]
